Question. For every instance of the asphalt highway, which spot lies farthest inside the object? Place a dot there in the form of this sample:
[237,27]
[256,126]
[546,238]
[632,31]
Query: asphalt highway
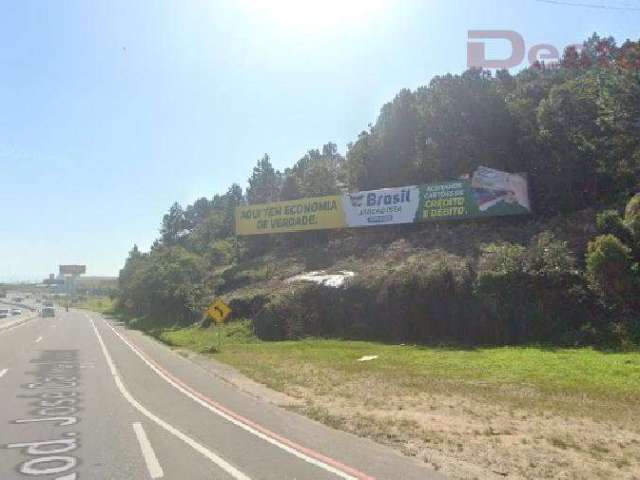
[82,398]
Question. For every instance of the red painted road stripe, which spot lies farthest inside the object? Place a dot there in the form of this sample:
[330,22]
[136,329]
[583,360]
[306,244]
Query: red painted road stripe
[307,451]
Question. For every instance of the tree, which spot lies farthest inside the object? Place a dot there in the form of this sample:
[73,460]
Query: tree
[129,282]
[464,122]
[173,226]
[196,213]
[629,56]
[610,265]
[385,155]
[264,183]
[586,123]
[599,51]
[290,186]
[632,219]
[359,171]
[165,284]
[316,174]
[232,199]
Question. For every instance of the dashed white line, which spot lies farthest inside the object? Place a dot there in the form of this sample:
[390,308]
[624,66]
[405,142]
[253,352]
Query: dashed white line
[220,462]
[155,470]
[3,371]
[38,340]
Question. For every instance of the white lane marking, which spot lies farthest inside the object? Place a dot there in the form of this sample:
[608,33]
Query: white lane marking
[155,470]
[220,462]
[244,426]
[38,340]
[3,371]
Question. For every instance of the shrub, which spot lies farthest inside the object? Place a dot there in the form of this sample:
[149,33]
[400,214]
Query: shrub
[305,310]
[549,255]
[609,222]
[502,258]
[222,252]
[610,267]
[534,294]
[428,299]
[632,218]
[247,306]
[502,287]
[269,323]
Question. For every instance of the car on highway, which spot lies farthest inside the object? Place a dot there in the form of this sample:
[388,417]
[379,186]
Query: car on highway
[48,312]
[4,312]
[16,311]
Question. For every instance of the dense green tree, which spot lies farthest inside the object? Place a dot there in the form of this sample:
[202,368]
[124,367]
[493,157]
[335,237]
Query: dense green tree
[316,174]
[264,183]
[610,266]
[197,212]
[464,122]
[165,283]
[359,162]
[174,225]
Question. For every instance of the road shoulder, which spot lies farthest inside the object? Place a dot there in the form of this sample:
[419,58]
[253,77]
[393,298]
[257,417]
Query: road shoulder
[258,404]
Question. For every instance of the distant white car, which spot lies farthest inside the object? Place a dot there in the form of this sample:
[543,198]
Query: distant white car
[4,313]
[16,311]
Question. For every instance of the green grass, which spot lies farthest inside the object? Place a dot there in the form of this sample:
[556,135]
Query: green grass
[96,304]
[508,373]
[203,339]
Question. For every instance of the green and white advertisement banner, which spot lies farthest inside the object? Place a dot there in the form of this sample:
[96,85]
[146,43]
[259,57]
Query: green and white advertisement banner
[381,207]
[485,193]
[488,193]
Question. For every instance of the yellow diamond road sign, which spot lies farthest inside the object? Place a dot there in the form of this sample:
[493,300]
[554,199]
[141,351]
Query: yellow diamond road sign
[219,311]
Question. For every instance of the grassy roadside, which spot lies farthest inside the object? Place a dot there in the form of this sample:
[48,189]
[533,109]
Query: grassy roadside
[484,410]
[96,304]
[585,372]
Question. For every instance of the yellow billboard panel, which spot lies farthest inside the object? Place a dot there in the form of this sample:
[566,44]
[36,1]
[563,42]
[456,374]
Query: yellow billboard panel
[316,213]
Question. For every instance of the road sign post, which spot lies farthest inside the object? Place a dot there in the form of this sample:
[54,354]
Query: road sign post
[219,311]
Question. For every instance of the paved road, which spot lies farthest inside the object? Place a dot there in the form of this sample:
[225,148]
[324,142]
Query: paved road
[11,319]
[84,399]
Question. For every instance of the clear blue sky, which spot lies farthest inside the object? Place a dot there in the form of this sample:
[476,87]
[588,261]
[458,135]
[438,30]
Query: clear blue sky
[112,110]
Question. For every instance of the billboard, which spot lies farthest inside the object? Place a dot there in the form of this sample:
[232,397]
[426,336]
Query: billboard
[73,269]
[486,193]
[381,207]
[315,213]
